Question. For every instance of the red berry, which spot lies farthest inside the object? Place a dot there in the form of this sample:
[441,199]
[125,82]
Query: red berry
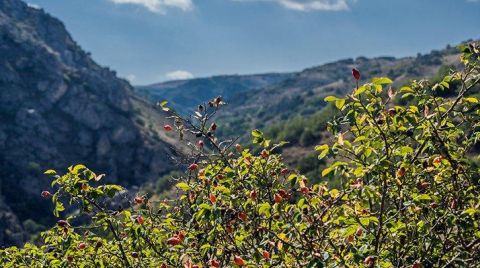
[167,128]
[401,172]
[200,144]
[238,147]
[46,194]
[181,235]
[214,263]
[253,195]
[242,216]
[433,205]
[423,185]
[173,241]
[368,261]
[278,198]
[69,258]
[213,127]
[356,74]
[213,198]
[359,231]
[284,171]
[140,219]
[264,154]
[82,245]
[304,190]
[416,265]
[350,238]
[239,261]
[192,167]
[266,254]
[62,223]
[139,200]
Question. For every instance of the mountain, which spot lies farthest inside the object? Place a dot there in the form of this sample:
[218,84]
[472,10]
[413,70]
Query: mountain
[58,108]
[185,95]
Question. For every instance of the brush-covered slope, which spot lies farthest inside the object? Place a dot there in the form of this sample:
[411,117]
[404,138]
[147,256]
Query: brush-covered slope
[58,108]
[185,95]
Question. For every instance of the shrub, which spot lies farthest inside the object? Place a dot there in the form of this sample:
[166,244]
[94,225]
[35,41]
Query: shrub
[409,195]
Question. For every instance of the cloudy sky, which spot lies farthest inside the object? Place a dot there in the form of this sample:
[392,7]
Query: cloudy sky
[149,41]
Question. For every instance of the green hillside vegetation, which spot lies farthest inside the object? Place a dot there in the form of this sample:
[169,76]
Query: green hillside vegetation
[407,193]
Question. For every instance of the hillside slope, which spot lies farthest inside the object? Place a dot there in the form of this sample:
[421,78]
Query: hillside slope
[185,95]
[58,108]
[303,94]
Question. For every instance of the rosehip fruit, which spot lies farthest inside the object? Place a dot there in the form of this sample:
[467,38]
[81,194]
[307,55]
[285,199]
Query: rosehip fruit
[214,263]
[46,194]
[238,147]
[401,172]
[278,198]
[239,261]
[62,223]
[140,219]
[173,241]
[368,261]
[253,195]
[356,74]
[192,167]
[139,200]
[242,216]
[82,245]
[213,198]
[167,128]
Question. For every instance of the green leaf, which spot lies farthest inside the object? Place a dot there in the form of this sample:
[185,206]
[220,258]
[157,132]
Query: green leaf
[50,172]
[330,98]
[340,103]
[163,105]
[326,171]
[382,81]
[264,209]
[183,186]
[257,133]
[471,100]
[360,90]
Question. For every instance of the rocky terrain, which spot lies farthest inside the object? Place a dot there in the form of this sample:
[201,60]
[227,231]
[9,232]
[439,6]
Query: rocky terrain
[59,108]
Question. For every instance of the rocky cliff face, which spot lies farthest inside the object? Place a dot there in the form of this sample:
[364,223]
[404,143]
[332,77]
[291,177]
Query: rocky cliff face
[58,108]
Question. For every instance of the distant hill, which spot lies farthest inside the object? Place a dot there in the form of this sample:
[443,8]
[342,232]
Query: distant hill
[185,95]
[58,108]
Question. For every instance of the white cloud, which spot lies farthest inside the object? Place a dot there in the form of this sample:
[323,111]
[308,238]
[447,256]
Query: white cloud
[179,75]
[308,5]
[34,6]
[159,6]
[131,78]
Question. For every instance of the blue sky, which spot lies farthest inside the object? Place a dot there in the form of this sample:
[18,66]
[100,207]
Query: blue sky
[149,41]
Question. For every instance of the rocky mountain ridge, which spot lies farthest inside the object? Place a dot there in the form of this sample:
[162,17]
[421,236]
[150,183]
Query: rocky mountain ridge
[57,108]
